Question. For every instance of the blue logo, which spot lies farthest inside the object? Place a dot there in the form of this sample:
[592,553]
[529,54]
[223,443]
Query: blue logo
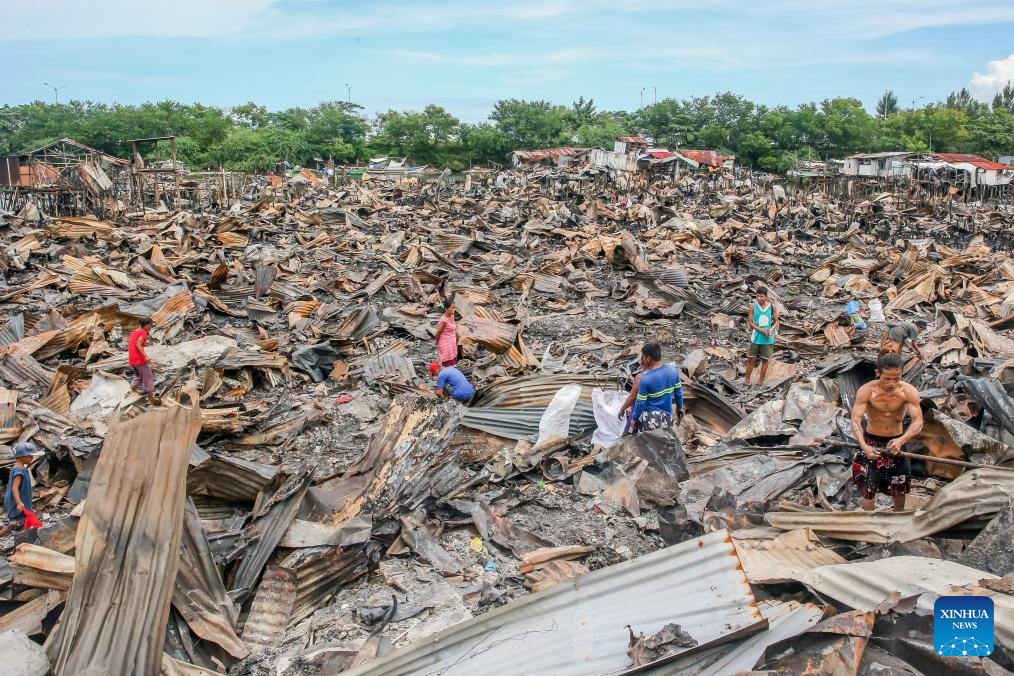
[963,626]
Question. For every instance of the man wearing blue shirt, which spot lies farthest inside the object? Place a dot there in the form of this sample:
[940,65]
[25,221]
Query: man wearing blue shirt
[654,391]
[452,383]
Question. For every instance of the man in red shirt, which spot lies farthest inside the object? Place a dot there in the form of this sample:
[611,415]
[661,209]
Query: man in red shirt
[138,360]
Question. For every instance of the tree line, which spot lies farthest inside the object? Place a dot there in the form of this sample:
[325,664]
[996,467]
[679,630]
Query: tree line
[251,138]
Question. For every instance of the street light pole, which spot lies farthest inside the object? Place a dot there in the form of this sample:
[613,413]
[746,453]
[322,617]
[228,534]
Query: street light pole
[642,96]
[56,91]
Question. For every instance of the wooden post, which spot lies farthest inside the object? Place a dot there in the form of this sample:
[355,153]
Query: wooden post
[176,173]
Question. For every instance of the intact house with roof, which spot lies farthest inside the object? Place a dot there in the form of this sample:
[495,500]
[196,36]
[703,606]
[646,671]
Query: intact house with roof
[878,165]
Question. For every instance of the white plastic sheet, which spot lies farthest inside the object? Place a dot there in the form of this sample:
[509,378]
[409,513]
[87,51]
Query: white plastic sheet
[606,406]
[555,423]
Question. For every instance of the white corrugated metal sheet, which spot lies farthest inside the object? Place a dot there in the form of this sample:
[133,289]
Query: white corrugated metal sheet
[866,584]
[785,620]
[578,626]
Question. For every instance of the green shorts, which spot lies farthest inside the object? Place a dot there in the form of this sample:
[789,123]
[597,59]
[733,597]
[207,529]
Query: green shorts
[761,350]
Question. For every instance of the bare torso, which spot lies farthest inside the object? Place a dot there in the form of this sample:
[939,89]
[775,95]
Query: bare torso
[885,412]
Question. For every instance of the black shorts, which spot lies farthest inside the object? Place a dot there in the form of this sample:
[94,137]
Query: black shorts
[890,475]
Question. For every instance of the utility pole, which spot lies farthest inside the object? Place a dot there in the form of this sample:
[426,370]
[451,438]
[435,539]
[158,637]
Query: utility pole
[56,91]
[642,96]
[655,90]
[348,89]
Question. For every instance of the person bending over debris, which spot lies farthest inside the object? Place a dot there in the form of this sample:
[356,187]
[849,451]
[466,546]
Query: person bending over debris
[763,319]
[18,497]
[879,464]
[895,337]
[452,383]
[137,358]
[653,392]
[447,336]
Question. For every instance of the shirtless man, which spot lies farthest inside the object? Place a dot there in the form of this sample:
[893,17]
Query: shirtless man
[879,464]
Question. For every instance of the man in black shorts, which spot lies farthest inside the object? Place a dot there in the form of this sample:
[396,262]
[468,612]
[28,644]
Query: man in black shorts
[879,464]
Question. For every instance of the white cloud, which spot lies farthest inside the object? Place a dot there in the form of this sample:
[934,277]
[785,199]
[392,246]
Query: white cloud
[998,73]
[69,19]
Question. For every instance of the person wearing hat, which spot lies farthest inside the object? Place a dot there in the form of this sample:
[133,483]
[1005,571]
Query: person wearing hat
[18,497]
[451,383]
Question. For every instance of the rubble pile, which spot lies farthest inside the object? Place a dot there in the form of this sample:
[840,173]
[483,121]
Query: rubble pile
[298,500]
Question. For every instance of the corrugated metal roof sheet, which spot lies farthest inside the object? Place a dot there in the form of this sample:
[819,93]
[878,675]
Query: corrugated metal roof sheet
[785,620]
[708,157]
[630,139]
[866,584]
[876,156]
[579,626]
[549,153]
[974,160]
[523,423]
[780,559]
[979,493]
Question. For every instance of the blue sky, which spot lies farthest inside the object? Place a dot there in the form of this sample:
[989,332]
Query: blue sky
[465,55]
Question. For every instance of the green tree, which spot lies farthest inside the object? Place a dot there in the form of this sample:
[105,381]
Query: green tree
[428,137]
[1004,99]
[887,105]
[964,101]
[531,124]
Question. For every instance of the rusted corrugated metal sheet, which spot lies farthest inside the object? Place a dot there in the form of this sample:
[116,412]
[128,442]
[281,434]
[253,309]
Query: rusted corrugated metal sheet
[271,608]
[321,572]
[579,626]
[228,478]
[274,510]
[523,422]
[407,462]
[781,558]
[991,395]
[980,493]
[389,369]
[22,370]
[496,336]
[127,548]
[539,390]
[36,566]
[13,330]
[70,336]
[199,595]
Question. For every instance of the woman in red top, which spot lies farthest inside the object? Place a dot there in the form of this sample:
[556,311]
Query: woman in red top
[137,358]
[447,336]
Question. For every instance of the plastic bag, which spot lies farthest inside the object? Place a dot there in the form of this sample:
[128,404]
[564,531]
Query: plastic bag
[31,521]
[877,311]
[553,358]
[606,406]
[555,423]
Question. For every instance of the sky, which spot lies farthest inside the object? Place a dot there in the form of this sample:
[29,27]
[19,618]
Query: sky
[465,55]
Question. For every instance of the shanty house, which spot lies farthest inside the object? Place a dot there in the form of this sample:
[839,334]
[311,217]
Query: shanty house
[60,164]
[552,157]
[981,172]
[708,158]
[629,144]
[877,165]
